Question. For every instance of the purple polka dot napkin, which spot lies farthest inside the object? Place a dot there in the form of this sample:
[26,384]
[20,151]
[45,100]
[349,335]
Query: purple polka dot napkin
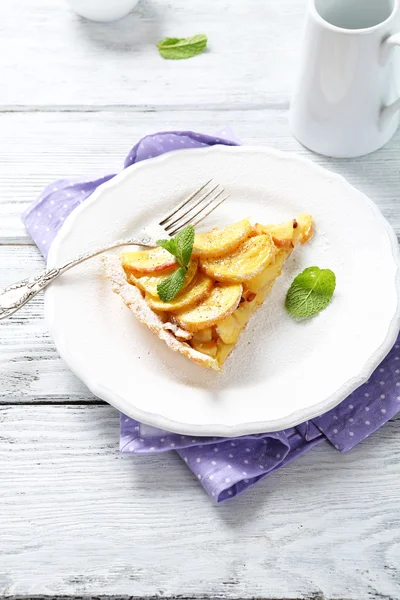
[226,467]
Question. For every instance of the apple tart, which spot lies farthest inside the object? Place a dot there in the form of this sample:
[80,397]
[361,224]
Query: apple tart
[230,274]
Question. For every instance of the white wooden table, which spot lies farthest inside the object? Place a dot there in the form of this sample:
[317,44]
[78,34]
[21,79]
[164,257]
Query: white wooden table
[76,518]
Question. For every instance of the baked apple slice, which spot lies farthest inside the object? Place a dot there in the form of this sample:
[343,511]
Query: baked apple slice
[270,273]
[148,283]
[304,229]
[243,264]
[209,348]
[282,234]
[222,301]
[205,335]
[199,289]
[289,233]
[147,261]
[220,242]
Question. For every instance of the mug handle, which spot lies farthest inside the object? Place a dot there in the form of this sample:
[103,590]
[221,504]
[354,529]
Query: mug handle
[390,110]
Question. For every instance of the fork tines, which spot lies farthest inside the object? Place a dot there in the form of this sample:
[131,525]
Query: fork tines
[194,209]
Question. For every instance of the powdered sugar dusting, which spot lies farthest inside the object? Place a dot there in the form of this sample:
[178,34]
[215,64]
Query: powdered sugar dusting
[138,305]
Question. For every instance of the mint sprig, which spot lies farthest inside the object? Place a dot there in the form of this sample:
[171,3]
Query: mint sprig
[178,48]
[180,246]
[310,292]
[172,285]
[168,245]
[184,241]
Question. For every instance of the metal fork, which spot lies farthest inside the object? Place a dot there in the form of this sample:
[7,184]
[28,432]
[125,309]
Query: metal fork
[190,211]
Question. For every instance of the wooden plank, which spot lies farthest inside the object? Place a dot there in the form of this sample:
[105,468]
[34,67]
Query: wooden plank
[78,518]
[37,148]
[31,370]
[30,367]
[118,63]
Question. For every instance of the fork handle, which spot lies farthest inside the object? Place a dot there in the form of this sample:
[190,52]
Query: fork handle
[16,295]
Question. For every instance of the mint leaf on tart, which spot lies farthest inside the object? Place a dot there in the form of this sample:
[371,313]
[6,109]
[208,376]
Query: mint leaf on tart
[184,241]
[172,285]
[180,246]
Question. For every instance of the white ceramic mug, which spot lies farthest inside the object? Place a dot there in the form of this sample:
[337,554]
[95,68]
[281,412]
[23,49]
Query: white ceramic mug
[346,103]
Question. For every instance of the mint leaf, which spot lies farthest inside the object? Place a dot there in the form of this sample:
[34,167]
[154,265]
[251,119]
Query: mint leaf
[184,241]
[168,245]
[178,48]
[172,285]
[310,292]
[181,247]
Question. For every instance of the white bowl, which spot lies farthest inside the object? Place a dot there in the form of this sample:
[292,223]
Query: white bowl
[102,10]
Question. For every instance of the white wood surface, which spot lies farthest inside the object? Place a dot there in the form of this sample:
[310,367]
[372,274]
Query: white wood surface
[80,519]
[55,59]
[37,148]
[77,519]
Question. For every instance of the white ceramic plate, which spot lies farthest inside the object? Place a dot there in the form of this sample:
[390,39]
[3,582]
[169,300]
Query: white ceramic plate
[282,372]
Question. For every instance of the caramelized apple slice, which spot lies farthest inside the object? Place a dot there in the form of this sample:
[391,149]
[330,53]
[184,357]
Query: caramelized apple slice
[220,303]
[290,233]
[223,351]
[282,235]
[205,335]
[270,273]
[199,289]
[220,242]
[149,283]
[147,261]
[209,348]
[229,329]
[264,292]
[245,263]
[304,229]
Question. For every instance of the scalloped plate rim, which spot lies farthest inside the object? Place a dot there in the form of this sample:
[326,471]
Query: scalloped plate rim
[221,430]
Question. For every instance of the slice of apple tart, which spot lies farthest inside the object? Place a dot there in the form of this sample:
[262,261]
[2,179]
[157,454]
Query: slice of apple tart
[230,273]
